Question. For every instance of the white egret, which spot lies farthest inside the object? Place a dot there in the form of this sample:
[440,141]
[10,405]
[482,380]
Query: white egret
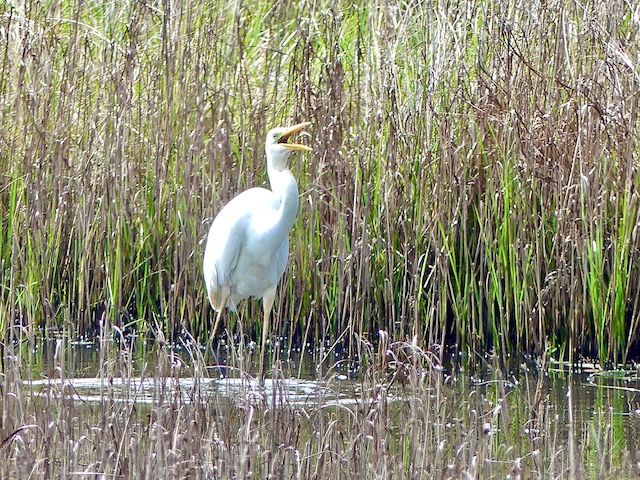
[248,244]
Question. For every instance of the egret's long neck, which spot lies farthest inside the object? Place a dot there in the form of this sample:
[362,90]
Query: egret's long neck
[284,185]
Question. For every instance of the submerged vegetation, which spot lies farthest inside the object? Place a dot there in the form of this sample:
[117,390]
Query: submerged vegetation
[474,176]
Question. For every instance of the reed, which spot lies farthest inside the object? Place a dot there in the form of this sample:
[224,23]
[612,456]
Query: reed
[474,177]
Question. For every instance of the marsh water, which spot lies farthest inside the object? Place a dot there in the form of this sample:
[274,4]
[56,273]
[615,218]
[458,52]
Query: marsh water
[582,402]
[584,393]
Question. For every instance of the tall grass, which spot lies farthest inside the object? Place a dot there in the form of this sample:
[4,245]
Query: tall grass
[474,176]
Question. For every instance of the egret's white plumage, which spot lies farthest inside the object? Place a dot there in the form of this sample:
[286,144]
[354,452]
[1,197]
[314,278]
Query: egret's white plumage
[248,244]
[244,256]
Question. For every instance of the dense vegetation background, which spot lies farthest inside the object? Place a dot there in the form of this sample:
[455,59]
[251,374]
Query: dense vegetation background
[474,176]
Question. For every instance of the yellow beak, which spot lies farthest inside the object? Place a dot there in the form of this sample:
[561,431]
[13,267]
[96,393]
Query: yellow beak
[290,131]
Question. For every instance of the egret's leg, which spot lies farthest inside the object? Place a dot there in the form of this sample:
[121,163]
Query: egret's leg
[267,305]
[215,328]
[219,315]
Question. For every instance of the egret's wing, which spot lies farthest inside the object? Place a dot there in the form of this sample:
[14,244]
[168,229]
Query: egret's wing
[226,238]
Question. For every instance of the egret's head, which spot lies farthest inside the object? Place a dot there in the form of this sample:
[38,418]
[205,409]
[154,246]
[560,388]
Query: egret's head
[277,146]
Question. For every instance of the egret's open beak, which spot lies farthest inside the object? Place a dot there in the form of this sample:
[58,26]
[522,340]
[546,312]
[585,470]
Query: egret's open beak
[289,132]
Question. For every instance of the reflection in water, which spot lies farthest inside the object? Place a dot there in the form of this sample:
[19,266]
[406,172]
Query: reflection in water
[154,391]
